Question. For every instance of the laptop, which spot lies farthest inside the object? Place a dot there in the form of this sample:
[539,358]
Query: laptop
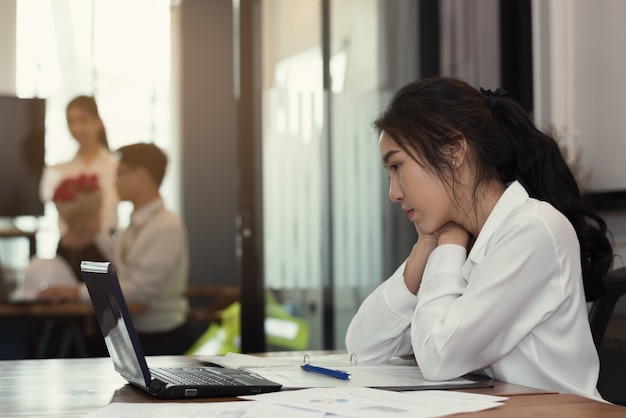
[128,358]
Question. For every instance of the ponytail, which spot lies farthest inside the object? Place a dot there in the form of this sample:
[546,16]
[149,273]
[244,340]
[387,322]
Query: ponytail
[537,163]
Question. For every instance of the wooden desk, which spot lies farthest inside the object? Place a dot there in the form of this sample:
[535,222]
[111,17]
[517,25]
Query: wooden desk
[73,387]
[44,309]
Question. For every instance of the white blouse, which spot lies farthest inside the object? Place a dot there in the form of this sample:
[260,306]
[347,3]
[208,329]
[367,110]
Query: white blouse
[151,257]
[513,309]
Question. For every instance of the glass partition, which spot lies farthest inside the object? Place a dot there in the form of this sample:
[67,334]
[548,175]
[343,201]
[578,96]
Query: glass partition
[326,220]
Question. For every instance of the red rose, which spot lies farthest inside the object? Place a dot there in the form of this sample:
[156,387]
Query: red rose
[71,187]
[78,199]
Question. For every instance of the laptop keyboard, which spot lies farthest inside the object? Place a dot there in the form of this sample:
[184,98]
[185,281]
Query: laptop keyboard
[192,375]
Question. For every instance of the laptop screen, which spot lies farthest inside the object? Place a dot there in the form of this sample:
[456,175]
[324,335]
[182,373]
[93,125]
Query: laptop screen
[115,322]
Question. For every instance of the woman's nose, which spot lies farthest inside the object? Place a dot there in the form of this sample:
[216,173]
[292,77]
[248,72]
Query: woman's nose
[395,194]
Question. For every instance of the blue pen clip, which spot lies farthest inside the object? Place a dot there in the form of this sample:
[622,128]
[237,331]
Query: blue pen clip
[337,374]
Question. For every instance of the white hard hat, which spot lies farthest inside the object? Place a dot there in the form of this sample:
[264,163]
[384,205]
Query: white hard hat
[42,273]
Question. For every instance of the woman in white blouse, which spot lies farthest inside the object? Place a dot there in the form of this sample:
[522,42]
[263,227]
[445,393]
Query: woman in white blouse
[93,157]
[506,252]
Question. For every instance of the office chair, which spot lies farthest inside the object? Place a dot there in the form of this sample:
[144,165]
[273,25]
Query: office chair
[602,309]
[611,383]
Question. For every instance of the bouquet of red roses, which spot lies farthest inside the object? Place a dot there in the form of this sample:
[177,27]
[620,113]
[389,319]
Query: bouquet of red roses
[78,199]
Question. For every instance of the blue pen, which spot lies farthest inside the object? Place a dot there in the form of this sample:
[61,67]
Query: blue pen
[337,374]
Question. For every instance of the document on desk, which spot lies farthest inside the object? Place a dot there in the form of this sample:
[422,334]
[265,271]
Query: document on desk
[373,403]
[237,409]
[398,374]
[314,403]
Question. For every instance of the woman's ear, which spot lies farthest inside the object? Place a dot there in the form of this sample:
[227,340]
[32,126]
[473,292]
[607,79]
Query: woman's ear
[457,152]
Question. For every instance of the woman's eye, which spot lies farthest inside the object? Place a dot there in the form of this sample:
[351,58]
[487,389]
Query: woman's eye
[394,167]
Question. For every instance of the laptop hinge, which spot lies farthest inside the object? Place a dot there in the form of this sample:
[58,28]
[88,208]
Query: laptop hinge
[157,385]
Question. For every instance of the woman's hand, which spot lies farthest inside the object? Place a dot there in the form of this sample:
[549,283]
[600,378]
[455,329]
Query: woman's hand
[416,263]
[452,233]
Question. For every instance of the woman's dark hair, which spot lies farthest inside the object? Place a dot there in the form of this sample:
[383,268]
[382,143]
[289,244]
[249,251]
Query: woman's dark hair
[430,115]
[89,104]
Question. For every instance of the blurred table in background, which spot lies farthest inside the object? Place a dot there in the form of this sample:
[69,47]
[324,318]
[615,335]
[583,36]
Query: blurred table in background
[31,236]
[59,329]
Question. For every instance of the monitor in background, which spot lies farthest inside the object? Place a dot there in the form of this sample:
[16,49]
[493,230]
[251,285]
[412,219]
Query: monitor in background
[22,133]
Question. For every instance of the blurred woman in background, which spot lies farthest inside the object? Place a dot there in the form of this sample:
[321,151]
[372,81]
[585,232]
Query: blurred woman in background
[92,160]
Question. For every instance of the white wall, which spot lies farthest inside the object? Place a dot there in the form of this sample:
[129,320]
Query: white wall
[579,64]
[600,83]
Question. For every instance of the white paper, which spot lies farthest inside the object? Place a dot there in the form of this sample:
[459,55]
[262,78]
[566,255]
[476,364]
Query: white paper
[246,361]
[372,403]
[237,409]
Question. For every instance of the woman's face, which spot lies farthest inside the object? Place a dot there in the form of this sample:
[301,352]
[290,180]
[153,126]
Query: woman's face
[420,191]
[84,126]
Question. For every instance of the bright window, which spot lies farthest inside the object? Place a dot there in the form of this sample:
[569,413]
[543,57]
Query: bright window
[115,50]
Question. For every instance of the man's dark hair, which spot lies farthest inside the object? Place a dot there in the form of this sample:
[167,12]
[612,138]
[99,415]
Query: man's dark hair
[145,155]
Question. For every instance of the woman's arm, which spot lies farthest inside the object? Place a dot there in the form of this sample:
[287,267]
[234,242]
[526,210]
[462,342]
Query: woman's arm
[380,328]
